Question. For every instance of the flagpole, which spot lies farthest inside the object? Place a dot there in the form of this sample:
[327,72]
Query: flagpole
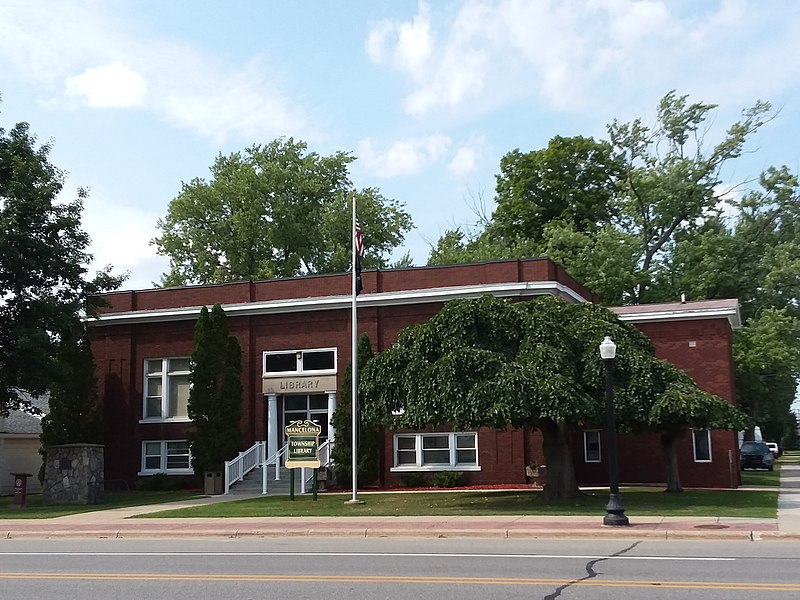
[354,364]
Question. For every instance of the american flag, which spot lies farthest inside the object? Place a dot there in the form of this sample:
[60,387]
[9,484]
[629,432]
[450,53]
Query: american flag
[358,241]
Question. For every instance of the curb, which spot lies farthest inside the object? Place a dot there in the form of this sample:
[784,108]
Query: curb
[669,534]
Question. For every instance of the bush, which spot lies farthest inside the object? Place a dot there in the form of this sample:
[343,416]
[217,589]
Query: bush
[446,479]
[160,482]
[413,480]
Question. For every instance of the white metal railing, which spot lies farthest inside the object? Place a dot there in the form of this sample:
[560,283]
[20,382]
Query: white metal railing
[236,469]
[275,459]
[325,452]
[255,456]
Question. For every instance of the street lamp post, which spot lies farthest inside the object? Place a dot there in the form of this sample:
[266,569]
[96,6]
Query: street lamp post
[615,510]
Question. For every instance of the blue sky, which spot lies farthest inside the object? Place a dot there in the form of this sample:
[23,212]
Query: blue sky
[138,96]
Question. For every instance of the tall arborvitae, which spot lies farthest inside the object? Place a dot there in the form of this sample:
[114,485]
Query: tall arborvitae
[370,437]
[73,416]
[215,399]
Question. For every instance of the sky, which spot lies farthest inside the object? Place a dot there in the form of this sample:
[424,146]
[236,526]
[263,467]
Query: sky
[138,96]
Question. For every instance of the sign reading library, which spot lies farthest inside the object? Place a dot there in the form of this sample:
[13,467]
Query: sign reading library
[303,450]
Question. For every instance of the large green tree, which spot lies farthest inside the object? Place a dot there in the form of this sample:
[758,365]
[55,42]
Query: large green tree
[369,435]
[44,281]
[74,416]
[489,362]
[674,226]
[274,210]
[215,398]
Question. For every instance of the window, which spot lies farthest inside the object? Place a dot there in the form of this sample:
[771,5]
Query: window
[166,389]
[313,407]
[591,446]
[166,457]
[301,361]
[436,452]
[701,444]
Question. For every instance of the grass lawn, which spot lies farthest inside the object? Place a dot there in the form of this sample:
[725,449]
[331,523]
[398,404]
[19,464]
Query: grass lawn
[36,510]
[751,477]
[638,502]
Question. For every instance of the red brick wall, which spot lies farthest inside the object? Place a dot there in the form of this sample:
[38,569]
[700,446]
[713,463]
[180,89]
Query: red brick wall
[533,269]
[710,364]
[121,349]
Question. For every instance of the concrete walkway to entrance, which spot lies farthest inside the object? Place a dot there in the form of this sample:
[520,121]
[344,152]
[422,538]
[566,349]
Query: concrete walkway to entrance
[115,523]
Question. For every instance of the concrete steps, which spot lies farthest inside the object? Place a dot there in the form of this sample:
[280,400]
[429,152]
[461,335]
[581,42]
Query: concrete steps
[251,484]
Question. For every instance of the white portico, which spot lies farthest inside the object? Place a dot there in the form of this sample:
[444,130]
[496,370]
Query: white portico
[299,385]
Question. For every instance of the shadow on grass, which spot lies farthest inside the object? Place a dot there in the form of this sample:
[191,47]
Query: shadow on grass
[35,509]
[638,501]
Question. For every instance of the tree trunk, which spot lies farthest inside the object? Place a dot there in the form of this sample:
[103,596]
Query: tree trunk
[561,481]
[669,444]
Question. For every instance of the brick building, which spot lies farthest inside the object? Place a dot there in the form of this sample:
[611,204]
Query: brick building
[295,336]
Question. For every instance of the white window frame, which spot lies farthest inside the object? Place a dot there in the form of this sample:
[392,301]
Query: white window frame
[163,459]
[586,446]
[165,375]
[299,362]
[452,465]
[695,433]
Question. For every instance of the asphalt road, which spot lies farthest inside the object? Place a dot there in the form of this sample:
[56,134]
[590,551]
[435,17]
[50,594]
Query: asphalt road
[353,569]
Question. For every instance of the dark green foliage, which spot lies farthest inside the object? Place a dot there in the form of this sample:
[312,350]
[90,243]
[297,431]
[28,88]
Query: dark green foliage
[572,180]
[665,224]
[490,362]
[370,436]
[161,482]
[215,399]
[74,416]
[274,210]
[43,267]
[446,479]
[414,480]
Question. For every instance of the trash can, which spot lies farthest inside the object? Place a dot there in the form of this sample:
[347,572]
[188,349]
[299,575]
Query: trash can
[214,483]
[20,488]
[95,493]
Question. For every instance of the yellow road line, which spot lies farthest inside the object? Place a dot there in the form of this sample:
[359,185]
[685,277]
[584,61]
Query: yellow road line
[697,585]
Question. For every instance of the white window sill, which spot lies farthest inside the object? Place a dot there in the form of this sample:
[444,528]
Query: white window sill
[703,461]
[169,420]
[167,472]
[433,468]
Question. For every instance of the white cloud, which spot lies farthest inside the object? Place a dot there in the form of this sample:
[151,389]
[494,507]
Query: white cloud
[120,237]
[463,162]
[376,41]
[81,52]
[413,43]
[109,86]
[404,157]
[566,52]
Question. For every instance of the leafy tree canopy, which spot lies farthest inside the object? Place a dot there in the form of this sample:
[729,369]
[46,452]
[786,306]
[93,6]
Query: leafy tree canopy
[666,224]
[274,210]
[493,363]
[44,282]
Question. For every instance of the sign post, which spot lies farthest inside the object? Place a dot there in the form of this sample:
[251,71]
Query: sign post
[303,449]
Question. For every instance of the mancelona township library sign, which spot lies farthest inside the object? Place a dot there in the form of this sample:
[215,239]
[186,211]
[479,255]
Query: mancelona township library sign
[303,444]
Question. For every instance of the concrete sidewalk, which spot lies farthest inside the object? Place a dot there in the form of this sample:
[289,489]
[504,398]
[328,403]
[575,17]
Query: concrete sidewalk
[116,524]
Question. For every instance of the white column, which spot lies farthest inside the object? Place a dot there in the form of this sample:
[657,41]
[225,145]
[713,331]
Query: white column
[272,424]
[331,410]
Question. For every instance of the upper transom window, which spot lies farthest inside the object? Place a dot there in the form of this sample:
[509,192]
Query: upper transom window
[318,360]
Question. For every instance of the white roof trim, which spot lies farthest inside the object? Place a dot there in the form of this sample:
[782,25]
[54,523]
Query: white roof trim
[404,297]
[693,314]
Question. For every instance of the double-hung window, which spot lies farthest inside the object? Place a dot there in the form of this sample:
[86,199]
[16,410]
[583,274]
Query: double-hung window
[591,446]
[166,389]
[166,456]
[436,452]
[701,445]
